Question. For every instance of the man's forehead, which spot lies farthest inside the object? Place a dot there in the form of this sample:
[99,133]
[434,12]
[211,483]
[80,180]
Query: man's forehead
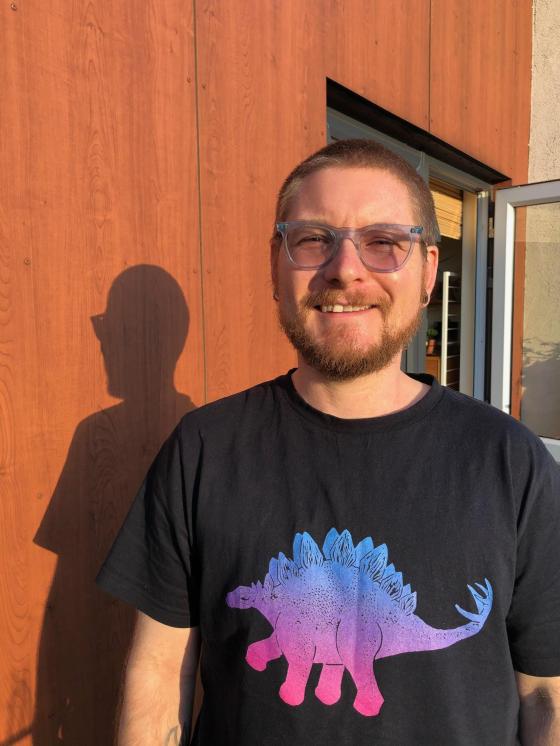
[353,194]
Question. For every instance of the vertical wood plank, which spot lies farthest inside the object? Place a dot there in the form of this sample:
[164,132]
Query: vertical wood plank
[480,72]
[380,50]
[262,96]
[100,185]
[17,336]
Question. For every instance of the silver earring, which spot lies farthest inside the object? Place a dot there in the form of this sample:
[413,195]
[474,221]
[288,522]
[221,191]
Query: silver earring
[275,296]
[425,298]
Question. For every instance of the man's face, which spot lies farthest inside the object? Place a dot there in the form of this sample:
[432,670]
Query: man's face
[345,345]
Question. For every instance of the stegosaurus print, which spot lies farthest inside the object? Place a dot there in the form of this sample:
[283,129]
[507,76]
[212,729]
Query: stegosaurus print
[344,607]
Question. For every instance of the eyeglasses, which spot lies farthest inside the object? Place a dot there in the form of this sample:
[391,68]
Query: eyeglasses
[381,247]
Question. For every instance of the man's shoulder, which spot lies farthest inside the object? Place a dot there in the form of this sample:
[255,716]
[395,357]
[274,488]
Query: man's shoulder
[463,405]
[240,408]
[490,425]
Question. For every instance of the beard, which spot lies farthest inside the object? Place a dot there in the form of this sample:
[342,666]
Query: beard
[343,358]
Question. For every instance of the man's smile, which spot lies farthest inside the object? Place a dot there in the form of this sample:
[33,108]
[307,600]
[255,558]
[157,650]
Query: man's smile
[339,308]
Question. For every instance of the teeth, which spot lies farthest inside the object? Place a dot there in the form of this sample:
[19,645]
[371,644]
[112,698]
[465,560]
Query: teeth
[337,308]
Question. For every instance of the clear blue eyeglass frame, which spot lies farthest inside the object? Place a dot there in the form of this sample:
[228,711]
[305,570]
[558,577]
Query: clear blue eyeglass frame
[382,247]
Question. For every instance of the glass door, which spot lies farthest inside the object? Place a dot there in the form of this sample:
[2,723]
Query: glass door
[525,365]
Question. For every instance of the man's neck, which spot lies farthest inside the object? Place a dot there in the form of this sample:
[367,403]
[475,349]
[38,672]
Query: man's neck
[372,395]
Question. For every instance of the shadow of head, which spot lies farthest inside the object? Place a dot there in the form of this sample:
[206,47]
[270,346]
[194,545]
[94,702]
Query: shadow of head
[142,331]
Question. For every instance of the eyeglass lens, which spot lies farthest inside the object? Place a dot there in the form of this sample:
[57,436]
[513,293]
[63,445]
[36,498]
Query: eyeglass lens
[380,248]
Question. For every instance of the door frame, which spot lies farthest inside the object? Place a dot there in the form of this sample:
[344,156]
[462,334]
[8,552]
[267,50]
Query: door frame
[507,200]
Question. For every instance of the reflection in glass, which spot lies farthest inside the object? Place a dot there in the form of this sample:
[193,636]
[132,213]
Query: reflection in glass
[539,227]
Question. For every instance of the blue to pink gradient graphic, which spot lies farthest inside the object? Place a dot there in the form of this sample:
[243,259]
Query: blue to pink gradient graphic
[344,608]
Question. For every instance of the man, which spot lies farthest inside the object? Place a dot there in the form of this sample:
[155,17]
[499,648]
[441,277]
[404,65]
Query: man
[366,556]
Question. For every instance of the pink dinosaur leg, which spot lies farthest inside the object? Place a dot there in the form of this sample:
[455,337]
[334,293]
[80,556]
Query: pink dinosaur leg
[299,651]
[261,652]
[357,645]
[292,690]
[328,688]
[368,699]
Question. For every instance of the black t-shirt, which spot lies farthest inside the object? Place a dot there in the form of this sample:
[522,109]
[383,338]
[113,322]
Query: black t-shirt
[328,564]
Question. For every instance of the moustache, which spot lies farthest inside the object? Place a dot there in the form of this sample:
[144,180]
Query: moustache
[332,297]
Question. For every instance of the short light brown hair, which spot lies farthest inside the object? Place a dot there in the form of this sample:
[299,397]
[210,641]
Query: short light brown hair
[365,154]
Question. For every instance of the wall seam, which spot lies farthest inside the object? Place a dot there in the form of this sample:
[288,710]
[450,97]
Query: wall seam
[198,176]
[430,67]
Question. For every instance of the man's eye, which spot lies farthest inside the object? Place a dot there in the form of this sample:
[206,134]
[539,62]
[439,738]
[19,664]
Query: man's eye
[381,242]
[313,238]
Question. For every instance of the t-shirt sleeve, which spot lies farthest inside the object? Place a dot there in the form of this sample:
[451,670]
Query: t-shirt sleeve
[534,617]
[152,562]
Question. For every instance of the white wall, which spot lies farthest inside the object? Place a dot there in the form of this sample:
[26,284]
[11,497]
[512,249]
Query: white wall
[540,406]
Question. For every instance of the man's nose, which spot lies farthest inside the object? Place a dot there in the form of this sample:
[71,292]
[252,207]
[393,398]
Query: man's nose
[346,266]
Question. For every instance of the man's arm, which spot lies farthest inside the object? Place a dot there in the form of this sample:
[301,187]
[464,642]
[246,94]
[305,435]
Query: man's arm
[540,709]
[159,684]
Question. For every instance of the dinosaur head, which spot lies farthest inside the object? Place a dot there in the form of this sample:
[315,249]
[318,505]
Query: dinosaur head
[256,595]
[243,597]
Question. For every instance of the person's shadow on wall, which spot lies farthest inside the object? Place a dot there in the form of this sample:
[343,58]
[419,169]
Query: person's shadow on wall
[86,633]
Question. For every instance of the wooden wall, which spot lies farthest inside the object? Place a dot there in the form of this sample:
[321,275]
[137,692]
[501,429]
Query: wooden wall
[141,148]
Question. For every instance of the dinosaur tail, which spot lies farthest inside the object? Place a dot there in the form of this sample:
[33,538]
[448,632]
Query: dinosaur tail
[420,636]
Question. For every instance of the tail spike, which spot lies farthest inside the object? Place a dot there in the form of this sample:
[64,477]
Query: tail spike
[483,601]
[478,599]
[468,614]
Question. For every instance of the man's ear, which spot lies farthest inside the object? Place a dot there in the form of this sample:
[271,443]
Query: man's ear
[430,268]
[274,251]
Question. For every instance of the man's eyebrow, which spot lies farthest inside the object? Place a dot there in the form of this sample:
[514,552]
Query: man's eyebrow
[314,219]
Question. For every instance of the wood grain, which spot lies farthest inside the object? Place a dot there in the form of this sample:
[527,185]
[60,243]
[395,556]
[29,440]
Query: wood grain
[480,80]
[262,108]
[99,183]
[380,50]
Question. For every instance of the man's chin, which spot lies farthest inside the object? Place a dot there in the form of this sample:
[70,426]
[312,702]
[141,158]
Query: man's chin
[344,360]
[349,366]
[346,357]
